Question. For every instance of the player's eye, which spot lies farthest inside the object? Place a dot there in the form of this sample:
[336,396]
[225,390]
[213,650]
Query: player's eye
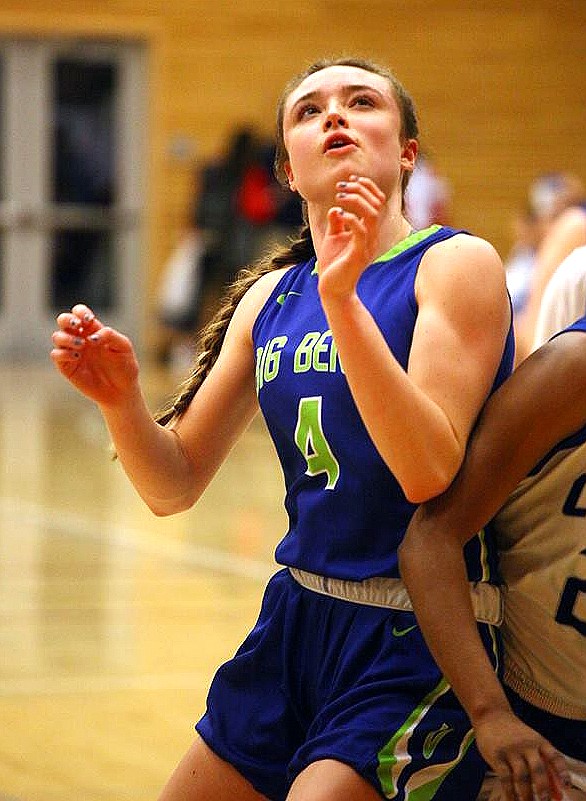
[362,100]
[308,110]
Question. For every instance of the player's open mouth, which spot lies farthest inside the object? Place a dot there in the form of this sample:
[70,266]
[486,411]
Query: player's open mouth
[338,142]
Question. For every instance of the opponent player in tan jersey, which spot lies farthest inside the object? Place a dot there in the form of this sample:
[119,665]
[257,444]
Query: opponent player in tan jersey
[528,452]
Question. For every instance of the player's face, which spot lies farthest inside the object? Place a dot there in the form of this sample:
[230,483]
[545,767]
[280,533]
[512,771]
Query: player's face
[344,121]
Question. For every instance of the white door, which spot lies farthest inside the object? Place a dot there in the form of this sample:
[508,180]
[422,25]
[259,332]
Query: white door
[72,156]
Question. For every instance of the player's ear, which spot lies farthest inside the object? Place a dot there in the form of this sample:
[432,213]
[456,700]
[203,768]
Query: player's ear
[409,154]
[290,178]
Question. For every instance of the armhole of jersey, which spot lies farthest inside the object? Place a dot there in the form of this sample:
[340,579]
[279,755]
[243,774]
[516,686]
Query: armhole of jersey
[273,295]
[579,325]
[440,234]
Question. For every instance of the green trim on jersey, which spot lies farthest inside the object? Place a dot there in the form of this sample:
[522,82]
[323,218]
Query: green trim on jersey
[484,564]
[404,244]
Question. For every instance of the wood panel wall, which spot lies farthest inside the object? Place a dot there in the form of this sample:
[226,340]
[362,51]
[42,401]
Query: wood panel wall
[500,85]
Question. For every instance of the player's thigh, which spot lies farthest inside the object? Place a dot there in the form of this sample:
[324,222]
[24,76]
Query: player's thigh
[203,776]
[329,780]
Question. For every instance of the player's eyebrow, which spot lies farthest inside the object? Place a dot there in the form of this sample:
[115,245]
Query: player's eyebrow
[316,94]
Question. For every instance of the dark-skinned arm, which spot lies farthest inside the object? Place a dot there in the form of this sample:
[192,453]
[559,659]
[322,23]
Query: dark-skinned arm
[543,402]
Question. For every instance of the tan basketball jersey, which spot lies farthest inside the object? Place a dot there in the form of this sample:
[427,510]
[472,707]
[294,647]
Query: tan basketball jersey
[542,534]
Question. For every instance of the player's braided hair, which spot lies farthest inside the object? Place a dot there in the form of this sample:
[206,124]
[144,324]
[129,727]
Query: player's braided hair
[213,334]
[298,251]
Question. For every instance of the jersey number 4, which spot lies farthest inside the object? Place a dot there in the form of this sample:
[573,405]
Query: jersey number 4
[312,442]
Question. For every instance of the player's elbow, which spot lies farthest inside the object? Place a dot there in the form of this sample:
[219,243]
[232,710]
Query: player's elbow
[429,484]
[432,473]
[170,506]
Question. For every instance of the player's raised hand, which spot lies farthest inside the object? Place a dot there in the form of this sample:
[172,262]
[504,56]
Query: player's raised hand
[528,766]
[351,239]
[99,361]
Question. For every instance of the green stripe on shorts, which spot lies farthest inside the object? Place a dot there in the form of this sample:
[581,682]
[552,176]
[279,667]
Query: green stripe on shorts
[394,757]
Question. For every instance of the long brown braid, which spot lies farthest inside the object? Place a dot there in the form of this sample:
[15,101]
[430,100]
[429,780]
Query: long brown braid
[213,334]
[298,251]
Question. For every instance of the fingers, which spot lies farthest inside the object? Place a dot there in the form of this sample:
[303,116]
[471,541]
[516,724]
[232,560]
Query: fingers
[80,321]
[507,789]
[71,345]
[341,221]
[533,776]
[81,337]
[556,764]
[528,766]
[109,339]
[360,196]
[80,327]
[558,774]
[516,779]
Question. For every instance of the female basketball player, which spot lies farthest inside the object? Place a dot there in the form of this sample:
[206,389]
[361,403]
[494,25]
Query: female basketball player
[531,438]
[370,349]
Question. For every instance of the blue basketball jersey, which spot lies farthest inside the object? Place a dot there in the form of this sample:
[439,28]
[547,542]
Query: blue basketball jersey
[347,513]
[579,325]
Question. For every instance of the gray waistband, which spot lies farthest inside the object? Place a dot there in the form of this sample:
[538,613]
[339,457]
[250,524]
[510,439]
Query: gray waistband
[392,594]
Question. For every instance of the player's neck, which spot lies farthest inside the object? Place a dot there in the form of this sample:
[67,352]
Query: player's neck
[394,228]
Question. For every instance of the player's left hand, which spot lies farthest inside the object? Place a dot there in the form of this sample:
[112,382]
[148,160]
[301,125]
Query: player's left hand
[528,766]
[352,235]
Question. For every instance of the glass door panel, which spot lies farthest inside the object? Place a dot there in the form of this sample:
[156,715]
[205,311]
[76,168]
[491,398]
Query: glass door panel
[72,150]
[83,184]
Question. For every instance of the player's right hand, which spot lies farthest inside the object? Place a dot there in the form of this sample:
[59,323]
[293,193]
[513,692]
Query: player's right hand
[99,361]
[528,766]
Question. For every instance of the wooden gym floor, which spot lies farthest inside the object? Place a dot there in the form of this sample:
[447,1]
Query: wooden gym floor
[112,621]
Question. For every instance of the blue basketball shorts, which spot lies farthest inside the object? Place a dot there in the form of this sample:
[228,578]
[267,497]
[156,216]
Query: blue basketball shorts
[324,678]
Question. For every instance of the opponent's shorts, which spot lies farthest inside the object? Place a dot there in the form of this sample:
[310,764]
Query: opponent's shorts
[324,678]
[566,734]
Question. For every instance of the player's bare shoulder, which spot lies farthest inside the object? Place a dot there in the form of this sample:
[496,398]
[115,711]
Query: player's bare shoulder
[258,294]
[254,299]
[466,266]
[463,251]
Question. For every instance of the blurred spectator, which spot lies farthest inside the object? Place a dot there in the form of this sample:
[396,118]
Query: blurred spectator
[547,196]
[239,206]
[564,230]
[521,258]
[428,196]
[564,298]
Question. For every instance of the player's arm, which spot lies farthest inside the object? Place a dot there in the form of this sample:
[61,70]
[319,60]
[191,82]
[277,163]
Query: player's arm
[540,404]
[420,420]
[169,468]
